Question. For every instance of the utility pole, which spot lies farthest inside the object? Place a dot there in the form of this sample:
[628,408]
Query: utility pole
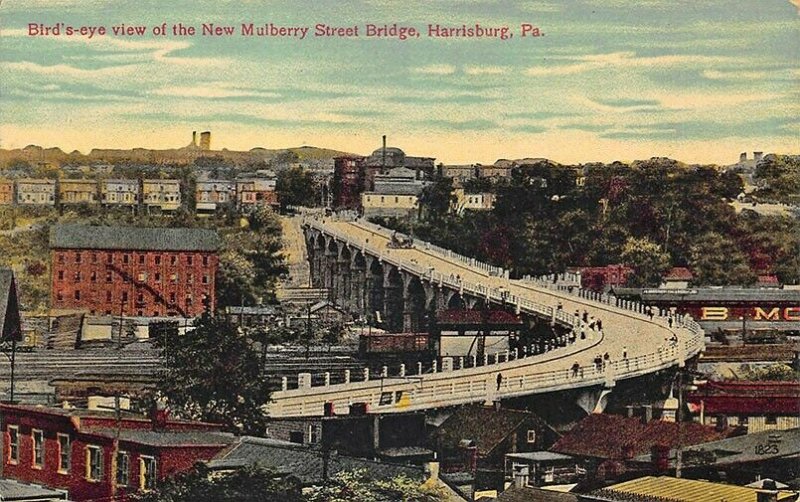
[679,420]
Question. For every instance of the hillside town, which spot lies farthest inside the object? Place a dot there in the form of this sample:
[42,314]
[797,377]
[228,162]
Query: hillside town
[314,323]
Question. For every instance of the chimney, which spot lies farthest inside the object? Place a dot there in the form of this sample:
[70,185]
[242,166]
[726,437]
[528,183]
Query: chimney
[647,416]
[159,416]
[521,475]
[432,471]
[629,409]
[742,156]
[383,155]
[722,423]
[758,156]
[767,496]
[194,138]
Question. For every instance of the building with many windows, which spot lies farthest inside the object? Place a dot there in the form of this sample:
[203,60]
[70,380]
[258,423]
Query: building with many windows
[133,271]
[162,194]
[94,456]
[119,192]
[76,191]
[6,192]
[213,194]
[41,192]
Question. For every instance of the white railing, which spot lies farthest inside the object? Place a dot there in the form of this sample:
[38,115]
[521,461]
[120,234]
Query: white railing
[522,375]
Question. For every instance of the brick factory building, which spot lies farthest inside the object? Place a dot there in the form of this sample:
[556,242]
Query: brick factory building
[133,271]
[95,456]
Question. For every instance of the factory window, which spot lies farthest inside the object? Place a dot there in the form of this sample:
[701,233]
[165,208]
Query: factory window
[126,258]
[108,296]
[205,260]
[60,275]
[78,276]
[771,420]
[109,258]
[77,257]
[173,260]
[60,258]
[108,276]
[141,259]
[189,260]
[13,444]
[38,448]
[64,454]
[94,463]
[124,296]
[77,294]
[93,277]
[147,473]
[158,260]
[123,467]
[158,277]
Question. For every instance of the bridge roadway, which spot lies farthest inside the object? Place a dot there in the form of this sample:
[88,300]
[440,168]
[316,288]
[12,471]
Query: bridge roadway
[636,345]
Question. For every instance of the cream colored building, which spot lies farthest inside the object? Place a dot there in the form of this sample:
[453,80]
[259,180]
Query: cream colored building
[473,201]
[164,194]
[39,192]
[77,192]
[119,192]
[385,204]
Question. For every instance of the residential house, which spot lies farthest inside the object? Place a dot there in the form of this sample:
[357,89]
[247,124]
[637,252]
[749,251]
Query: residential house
[6,192]
[77,191]
[36,192]
[257,192]
[677,278]
[162,194]
[542,468]
[458,173]
[531,494]
[395,194]
[211,195]
[473,201]
[756,406]
[119,192]
[133,271]
[476,439]
[94,455]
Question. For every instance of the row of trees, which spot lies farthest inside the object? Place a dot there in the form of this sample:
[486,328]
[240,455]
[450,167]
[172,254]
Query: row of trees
[651,215]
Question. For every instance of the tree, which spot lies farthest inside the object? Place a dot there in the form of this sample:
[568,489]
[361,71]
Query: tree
[295,187]
[214,374]
[437,199]
[356,485]
[250,484]
[716,260]
[648,261]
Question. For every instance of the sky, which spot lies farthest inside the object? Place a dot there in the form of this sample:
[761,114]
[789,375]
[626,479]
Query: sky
[609,80]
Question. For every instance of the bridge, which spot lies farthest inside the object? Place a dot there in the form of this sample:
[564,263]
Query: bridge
[366,273]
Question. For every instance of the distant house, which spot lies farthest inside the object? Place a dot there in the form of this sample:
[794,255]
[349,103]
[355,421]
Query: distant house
[119,192]
[210,195]
[257,192]
[758,406]
[602,278]
[459,173]
[473,201]
[677,278]
[162,194]
[36,192]
[542,468]
[532,494]
[93,455]
[77,191]
[6,192]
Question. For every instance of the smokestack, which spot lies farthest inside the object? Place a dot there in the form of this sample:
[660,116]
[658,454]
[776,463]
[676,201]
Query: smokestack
[647,417]
[194,138]
[758,156]
[383,155]
[742,156]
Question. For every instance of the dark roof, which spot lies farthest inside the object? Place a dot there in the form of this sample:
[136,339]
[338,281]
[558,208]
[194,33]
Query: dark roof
[135,238]
[485,426]
[742,449]
[679,274]
[302,462]
[531,494]
[476,317]
[616,437]
[742,398]
[760,296]
[166,438]
[663,488]
[539,456]
[10,321]
[265,310]
[11,489]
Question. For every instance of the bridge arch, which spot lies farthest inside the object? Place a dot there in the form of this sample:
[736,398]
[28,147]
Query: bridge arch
[415,314]
[374,291]
[393,299]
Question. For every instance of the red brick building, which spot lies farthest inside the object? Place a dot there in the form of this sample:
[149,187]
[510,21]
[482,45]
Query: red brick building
[94,456]
[349,181]
[133,271]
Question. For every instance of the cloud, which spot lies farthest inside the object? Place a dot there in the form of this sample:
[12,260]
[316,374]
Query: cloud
[581,64]
[62,70]
[214,91]
[435,69]
[486,70]
[739,75]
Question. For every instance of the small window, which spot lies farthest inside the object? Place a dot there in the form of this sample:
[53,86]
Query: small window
[205,260]
[313,434]
[158,260]
[108,276]
[158,277]
[59,296]
[13,444]
[531,436]
[77,257]
[93,276]
[173,260]
[123,468]
[94,257]
[172,297]
[189,260]
[124,296]
[94,463]
[38,448]
[771,420]
[61,258]
[64,454]
[109,258]
[205,279]
[147,473]
[77,294]
[126,258]
[108,296]
[78,276]
[296,437]
[141,259]
[60,275]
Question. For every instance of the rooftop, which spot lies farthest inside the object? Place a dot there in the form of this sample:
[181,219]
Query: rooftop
[9,306]
[539,456]
[531,494]
[11,489]
[485,426]
[757,398]
[174,439]
[301,461]
[678,490]
[133,238]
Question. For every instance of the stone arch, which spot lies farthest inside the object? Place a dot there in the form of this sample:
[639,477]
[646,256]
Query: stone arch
[456,302]
[375,292]
[393,299]
[414,312]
